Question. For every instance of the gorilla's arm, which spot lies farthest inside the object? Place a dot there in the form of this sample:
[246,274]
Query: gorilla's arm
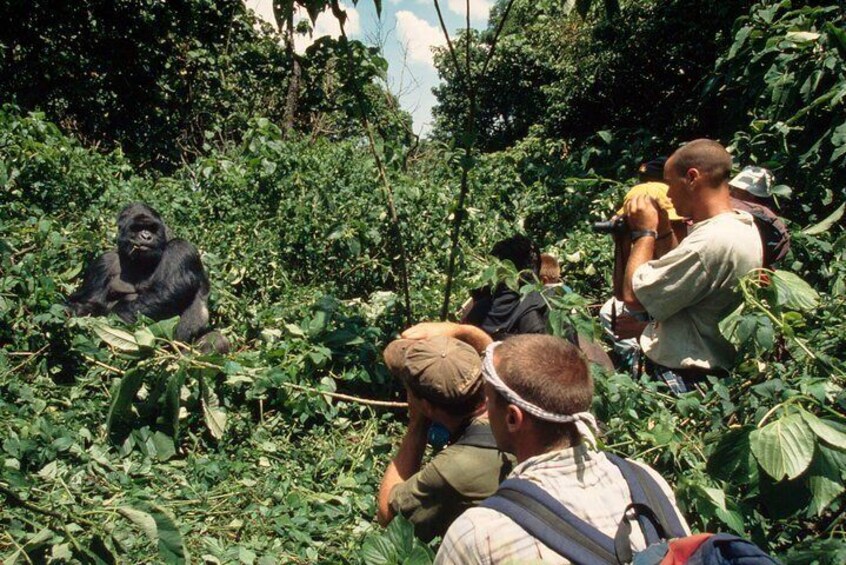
[178,287]
[92,298]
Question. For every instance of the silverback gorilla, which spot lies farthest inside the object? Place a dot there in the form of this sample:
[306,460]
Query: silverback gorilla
[151,274]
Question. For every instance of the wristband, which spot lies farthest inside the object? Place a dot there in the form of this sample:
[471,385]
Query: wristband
[637,234]
[665,235]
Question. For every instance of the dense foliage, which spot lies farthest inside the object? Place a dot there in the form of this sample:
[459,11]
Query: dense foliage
[119,446]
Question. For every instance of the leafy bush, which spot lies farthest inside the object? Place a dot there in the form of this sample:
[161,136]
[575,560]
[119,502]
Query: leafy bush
[119,444]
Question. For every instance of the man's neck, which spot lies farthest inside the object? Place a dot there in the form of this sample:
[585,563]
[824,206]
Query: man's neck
[711,202]
[455,423]
[530,447]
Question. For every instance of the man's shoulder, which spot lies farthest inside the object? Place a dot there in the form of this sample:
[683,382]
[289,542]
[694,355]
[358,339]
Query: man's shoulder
[471,469]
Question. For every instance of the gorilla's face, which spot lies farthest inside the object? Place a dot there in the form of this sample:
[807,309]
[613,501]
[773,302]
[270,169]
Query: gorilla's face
[141,234]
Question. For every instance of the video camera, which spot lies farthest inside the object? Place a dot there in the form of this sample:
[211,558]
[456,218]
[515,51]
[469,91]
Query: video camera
[615,226]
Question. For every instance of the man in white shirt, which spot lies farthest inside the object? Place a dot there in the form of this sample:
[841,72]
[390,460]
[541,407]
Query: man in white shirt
[693,285]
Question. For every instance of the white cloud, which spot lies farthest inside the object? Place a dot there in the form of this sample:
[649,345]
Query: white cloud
[418,36]
[479,9]
[263,9]
[326,24]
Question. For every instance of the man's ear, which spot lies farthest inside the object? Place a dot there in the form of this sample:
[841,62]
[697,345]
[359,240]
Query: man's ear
[514,418]
[692,175]
[427,408]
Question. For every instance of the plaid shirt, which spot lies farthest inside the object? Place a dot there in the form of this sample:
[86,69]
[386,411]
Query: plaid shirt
[586,482]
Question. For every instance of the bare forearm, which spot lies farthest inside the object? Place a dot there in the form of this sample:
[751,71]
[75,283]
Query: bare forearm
[405,463]
[643,250]
[471,335]
[664,245]
[476,337]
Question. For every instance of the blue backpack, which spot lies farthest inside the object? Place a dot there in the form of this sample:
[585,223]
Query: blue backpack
[551,523]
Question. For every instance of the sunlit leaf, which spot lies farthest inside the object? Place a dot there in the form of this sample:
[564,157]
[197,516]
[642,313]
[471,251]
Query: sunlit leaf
[160,527]
[824,431]
[784,448]
[826,224]
[826,477]
[119,339]
[794,293]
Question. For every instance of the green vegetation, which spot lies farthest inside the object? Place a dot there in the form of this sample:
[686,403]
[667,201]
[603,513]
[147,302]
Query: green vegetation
[265,455]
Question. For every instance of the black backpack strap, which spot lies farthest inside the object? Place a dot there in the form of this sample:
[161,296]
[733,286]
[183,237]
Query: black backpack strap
[622,539]
[549,521]
[645,491]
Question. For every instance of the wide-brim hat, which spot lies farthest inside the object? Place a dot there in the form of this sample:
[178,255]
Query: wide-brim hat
[442,369]
[757,181]
[658,191]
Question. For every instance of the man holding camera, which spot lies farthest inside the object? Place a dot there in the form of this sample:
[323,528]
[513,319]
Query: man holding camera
[693,284]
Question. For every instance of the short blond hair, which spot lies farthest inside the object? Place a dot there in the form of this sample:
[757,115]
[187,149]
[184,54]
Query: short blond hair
[550,270]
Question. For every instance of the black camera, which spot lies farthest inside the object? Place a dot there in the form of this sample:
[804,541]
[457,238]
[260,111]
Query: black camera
[615,226]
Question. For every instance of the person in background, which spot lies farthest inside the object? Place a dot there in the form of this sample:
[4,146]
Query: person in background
[501,311]
[539,392]
[442,377]
[623,326]
[752,192]
[550,270]
[692,285]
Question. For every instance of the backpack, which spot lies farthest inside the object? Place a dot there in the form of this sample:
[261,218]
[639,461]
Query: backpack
[551,523]
[774,235]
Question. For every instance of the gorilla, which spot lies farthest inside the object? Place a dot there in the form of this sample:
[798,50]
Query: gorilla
[150,274]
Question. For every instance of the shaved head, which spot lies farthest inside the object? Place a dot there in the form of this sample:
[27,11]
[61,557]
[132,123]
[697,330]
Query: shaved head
[707,156]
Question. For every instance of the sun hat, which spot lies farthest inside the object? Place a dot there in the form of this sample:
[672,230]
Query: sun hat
[658,191]
[757,181]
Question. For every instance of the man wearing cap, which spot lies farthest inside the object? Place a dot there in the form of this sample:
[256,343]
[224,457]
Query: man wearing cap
[539,391]
[442,377]
[691,288]
[752,191]
[624,326]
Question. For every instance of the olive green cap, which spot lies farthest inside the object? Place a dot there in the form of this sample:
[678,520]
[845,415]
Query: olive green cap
[442,370]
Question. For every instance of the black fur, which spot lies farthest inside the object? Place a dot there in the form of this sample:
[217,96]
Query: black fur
[150,274]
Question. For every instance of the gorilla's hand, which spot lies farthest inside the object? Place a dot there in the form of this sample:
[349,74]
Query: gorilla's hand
[125,311]
[121,290]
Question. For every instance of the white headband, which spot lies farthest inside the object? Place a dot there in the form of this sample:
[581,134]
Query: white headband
[585,421]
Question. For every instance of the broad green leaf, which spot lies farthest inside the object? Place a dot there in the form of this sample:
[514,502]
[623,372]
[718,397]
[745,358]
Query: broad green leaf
[825,477]
[826,224]
[171,547]
[145,338]
[120,417]
[37,541]
[215,417]
[378,550]
[118,339]
[728,325]
[401,534]
[141,519]
[169,418]
[165,329]
[824,431]
[839,37]
[160,527]
[784,448]
[794,293]
[164,446]
[420,555]
[732,458]
[802,36]
[295,330]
